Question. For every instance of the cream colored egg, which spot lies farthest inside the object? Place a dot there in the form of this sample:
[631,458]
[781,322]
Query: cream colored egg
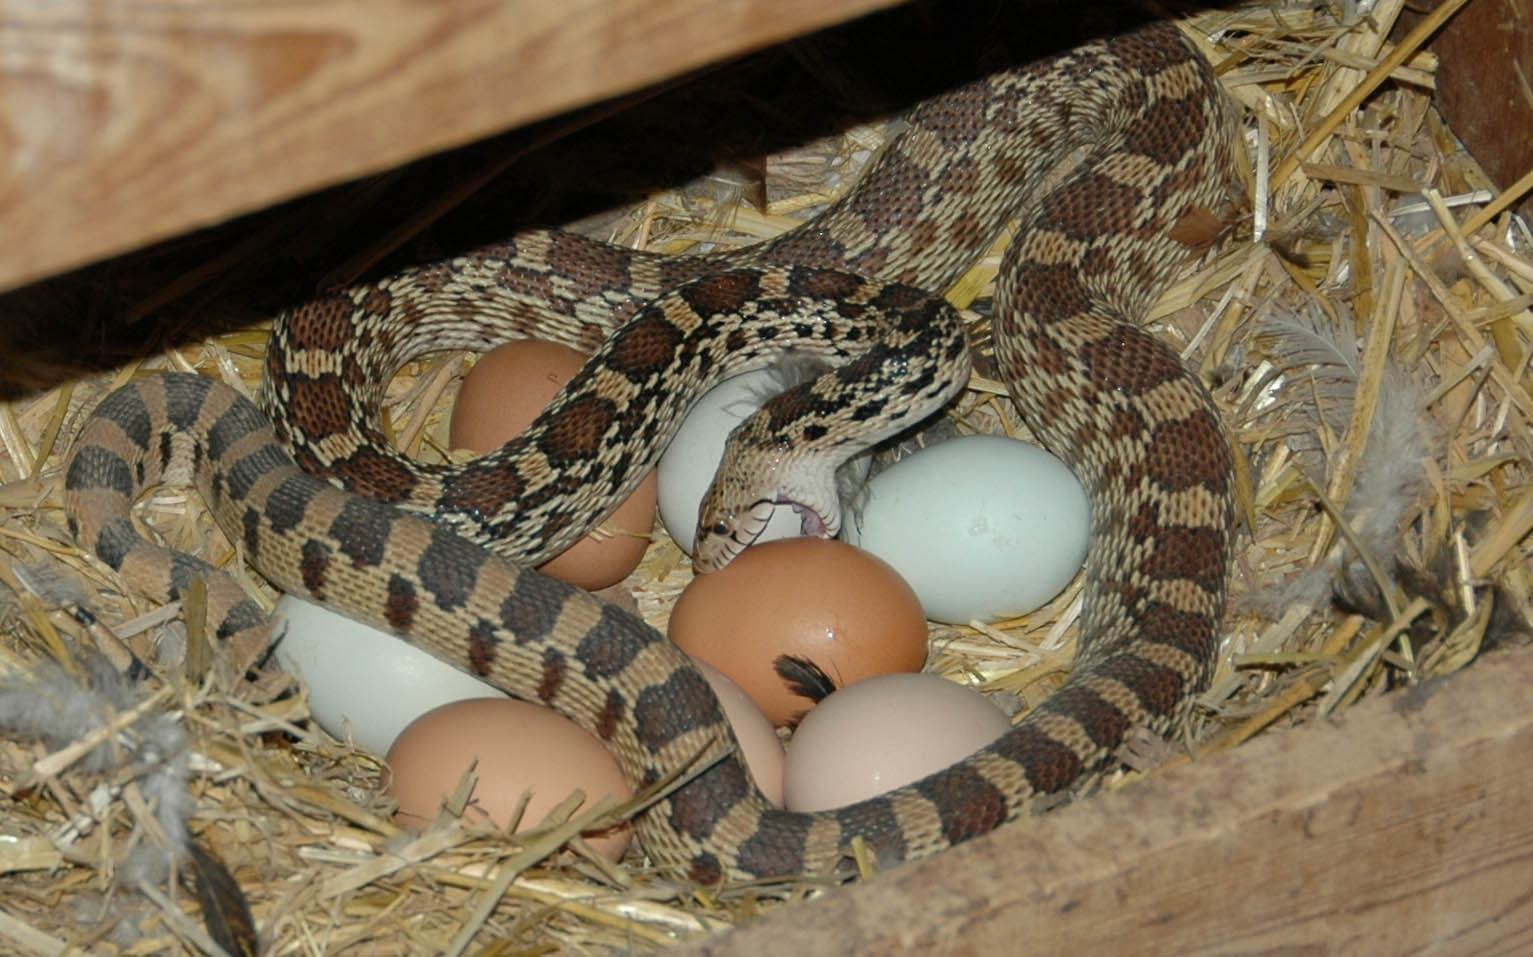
[759,744]
[882,733]
[982,526]
[364,685]
[514,747]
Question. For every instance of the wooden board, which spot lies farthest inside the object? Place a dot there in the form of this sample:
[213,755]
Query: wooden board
[1405,826]
[129,121]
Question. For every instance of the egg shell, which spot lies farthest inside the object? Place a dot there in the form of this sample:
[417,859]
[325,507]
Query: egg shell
[687,468]
[500,396]
[759,744]
[518,746]
[364,684]
[837,606]
[981,526]
[882,733]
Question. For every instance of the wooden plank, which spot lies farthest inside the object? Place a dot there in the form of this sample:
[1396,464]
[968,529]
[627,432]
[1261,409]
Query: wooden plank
[1404,826]
[126,121]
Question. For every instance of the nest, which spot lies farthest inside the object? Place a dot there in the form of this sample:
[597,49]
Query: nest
[1366,336]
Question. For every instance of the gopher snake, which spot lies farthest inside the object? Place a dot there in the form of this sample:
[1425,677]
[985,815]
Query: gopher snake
[1088,260]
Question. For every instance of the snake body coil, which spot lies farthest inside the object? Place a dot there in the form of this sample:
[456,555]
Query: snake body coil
[1088,259]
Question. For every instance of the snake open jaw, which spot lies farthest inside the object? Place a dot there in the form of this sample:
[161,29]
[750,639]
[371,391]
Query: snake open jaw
[724,531]
[727,537]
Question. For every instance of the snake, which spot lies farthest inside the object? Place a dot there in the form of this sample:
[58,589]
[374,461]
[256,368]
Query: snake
[324,509]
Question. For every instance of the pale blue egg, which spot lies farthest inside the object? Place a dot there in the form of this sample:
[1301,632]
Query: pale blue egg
[364,684]
[981,526]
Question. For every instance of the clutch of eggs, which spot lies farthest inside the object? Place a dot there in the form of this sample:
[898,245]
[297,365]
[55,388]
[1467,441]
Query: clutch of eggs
[969,524]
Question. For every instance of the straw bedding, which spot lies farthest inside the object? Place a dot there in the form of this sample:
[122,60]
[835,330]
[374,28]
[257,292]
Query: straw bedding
[1366,333]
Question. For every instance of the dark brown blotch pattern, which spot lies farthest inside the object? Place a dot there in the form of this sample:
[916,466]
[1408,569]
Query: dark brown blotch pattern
[705,869]
[530,610]
[643,347]
[322,324]
[481,488]
[1096,206]
[874,821]
[1104,724]
[683,702]
[483,645]
[967,804]
[402,603]
[614,711]
[361,532]
[726,292]
[320,406]
[696,809]
[1160,690]
[573,433]
[449,568]
[777,847]
[1049,766]
[552,679]
[1190,452]
[1130,361]
[1164,132]
[822,283]
[1187,631]
[612,645]
[314,566]
[1195,554]
[1046,291]
[370,473]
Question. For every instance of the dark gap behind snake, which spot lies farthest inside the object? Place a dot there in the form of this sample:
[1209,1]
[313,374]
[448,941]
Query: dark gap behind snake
[759,103]
[1155,577]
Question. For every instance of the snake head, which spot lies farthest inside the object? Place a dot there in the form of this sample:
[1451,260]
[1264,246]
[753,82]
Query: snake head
[723,533]
[725,529]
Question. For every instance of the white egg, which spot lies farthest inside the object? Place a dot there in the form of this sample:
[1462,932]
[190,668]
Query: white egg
[690,461]
[364,683]
[981,526]
[876,735]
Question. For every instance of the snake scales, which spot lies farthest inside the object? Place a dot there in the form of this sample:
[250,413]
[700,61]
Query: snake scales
[1088,259]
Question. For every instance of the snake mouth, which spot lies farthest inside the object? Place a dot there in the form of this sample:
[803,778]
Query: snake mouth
[810,521]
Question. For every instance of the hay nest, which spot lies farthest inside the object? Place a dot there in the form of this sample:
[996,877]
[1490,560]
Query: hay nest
[1366,335]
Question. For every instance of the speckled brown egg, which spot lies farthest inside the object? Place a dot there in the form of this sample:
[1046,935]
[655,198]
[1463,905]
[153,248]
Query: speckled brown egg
[518,747]
[499,398]
[818,600]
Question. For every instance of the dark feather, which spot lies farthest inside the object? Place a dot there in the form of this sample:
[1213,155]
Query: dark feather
[224,909]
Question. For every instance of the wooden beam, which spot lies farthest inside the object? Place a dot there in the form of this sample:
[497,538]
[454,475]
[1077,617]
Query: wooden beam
[1404,826]
[127,121]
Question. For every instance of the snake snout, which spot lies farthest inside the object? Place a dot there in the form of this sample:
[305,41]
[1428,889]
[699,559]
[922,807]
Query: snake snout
[721,540]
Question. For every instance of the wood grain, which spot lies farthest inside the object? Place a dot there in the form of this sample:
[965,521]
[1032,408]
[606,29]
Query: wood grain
[1405,826]
[126,121]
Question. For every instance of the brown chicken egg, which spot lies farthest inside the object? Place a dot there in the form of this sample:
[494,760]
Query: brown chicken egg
[499,398]
[818,600]
[518,747]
